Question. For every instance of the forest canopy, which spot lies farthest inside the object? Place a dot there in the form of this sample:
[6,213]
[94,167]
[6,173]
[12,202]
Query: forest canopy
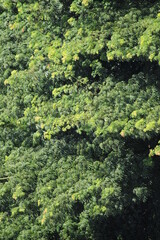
[79,120]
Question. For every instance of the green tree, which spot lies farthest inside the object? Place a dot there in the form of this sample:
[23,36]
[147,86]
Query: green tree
[79,120]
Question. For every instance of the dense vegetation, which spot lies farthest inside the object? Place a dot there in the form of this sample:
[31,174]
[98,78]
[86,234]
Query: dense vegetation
[79,120]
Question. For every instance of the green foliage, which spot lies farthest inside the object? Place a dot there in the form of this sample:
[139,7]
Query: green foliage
[79,120]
